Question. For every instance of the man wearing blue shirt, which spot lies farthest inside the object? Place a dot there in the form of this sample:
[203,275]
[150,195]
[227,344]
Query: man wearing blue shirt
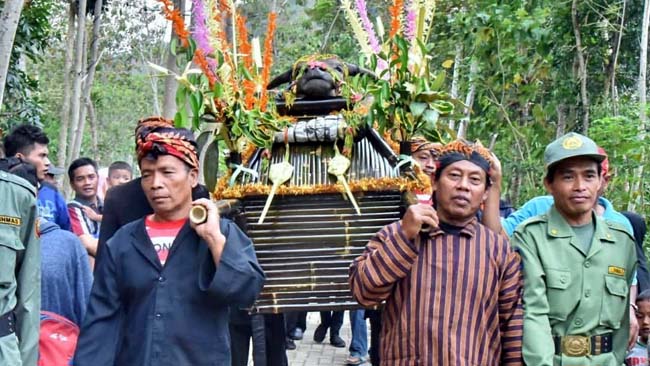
[51,204]
[542,204]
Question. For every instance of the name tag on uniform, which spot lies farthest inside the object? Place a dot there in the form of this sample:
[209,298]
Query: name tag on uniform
[9,220]
[616,270]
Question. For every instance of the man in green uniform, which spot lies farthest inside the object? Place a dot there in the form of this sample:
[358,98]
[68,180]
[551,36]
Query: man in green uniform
[577,267]
[20,272]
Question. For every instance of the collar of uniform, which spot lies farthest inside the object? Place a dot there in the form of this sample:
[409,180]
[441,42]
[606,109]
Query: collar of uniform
[558,227]
[602,230]
[468,230]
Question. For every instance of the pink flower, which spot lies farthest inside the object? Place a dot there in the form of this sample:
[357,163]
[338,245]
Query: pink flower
[317,64]
[200,32]
[409,31]
[367,25]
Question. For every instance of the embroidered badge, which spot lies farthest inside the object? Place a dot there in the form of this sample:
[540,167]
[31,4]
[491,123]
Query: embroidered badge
[572,143]
[9,220]
[616,270]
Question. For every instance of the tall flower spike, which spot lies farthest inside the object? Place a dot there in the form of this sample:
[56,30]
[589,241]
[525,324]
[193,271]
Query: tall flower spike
[357,28]
[201,33]
[175,16]
[213,24]
[429,7]
[247,57]
[410,26]
[367,25]
[267,59]
[203,62]
[395,11]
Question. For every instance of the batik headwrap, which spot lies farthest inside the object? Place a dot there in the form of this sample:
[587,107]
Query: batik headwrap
[419,143]
[462,150]
[147,124]
[177,142]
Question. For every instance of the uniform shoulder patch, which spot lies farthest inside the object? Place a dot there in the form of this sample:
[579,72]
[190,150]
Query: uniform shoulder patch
[531,221]
[8,177]
[618,227]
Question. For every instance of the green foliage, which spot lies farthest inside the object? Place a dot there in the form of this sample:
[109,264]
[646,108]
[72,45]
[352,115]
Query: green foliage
[22,100]
[519,58]
[407,96]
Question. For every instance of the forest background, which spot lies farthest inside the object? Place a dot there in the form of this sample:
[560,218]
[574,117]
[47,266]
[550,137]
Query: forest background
[529,71]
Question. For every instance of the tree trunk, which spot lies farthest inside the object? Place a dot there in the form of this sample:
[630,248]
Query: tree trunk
[169,98]
[75,103]
[90,76]
[62,152]
[515,184]
[154,91]
[329,31]
[582,67]
[643,65]
[74,138]
[8,24]
[455,81]
[469,100]
[94,129]
[610,77]
[561,120]
[153,82]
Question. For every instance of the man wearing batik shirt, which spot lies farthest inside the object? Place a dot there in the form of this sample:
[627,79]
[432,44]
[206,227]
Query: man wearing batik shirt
[158,304]
[452,294]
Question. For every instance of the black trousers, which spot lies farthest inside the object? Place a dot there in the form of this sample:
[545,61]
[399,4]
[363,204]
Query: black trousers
[296,319]
[276,335]
[268,336]
[375,331]
[332,320]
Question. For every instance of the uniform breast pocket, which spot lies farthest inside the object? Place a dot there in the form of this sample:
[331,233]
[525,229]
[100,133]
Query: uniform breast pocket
[614,302]
[10,246]
[558,282]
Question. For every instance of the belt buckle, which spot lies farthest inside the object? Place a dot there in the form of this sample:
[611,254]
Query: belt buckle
[576,346]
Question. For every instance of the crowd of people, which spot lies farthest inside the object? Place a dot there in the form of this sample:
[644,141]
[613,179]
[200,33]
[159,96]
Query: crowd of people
[461,279]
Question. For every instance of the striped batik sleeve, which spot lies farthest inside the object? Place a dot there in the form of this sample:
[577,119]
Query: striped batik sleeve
[511,314]
[77,222]
[388,258]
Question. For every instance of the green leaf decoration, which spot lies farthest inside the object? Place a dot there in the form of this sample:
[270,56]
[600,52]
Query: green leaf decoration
[439,81]
[431,118]
[417,108]
[211,165]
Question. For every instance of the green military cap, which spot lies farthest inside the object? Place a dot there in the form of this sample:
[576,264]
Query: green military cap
[569,146]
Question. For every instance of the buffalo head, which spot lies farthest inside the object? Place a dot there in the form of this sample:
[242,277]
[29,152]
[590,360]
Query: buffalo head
[317,76]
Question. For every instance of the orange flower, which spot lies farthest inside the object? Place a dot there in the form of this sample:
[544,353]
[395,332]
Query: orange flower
[202,61]
[267,60]
[174,15]
[224,6]
[223,9]
[244,44]
[395,17]
[247,56]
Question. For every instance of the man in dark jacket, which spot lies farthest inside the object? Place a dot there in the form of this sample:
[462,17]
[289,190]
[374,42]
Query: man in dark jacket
[127,202]
[163,286]
[639,229]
